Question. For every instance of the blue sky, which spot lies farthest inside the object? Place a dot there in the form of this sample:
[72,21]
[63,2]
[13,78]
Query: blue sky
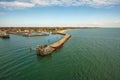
[64,13]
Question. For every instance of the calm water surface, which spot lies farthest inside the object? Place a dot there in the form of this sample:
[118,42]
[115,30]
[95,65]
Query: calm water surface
[90,54]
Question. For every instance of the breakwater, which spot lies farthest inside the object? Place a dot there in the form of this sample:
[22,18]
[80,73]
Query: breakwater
[31,35]
[48,49]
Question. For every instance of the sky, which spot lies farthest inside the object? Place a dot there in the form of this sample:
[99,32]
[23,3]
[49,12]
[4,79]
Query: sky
[60,13]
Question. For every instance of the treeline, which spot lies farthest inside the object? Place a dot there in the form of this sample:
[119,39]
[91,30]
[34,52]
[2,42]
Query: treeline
[42,28]
[36,28]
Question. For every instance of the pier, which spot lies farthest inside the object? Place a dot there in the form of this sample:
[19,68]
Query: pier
[30,34]
[44,50]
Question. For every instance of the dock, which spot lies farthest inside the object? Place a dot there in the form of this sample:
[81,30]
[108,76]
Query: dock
[31,35]
[44,50]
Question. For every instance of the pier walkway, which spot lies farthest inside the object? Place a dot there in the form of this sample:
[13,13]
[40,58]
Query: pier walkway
[61,41]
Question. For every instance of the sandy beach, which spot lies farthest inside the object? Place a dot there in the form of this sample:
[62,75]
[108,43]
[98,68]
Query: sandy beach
[61,31]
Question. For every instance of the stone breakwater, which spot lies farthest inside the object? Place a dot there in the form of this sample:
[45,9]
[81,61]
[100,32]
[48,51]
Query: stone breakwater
[48,49]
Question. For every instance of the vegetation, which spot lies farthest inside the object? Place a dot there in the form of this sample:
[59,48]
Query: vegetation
[39,29]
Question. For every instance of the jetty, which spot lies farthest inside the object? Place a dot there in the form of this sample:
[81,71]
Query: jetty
[32,35]
[44,50]
[26,34]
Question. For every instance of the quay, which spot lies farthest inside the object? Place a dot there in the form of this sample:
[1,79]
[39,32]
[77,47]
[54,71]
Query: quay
[30,34]
[44,50]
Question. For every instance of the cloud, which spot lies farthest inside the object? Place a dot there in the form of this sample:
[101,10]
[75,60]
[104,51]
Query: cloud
[103,3]
[33,3]
[117,21]
[109,23]
[93,3]
[16,4]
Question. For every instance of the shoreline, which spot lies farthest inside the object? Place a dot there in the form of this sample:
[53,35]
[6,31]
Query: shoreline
[62,31]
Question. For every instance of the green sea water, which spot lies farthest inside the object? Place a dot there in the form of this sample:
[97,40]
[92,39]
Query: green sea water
[90,54]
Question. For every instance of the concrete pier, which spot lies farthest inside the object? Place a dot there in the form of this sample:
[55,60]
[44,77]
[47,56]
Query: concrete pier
[31,35]
[48,49]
